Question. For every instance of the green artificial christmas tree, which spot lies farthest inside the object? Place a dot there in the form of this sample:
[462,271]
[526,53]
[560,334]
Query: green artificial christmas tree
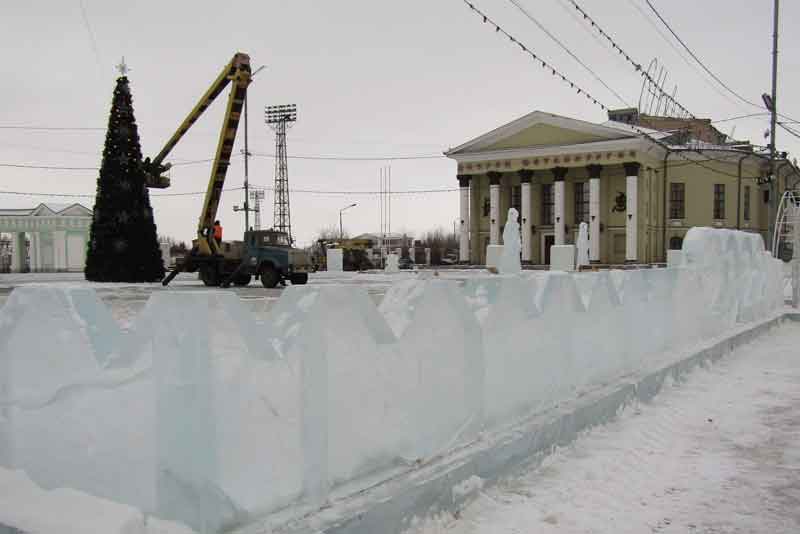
[123,246]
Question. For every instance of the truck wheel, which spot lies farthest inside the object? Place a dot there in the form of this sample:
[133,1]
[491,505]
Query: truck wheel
[241,280]
[208,275]
[299,279]
[269,277]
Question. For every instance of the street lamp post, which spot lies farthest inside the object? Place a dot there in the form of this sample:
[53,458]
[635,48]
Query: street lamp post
[341,229]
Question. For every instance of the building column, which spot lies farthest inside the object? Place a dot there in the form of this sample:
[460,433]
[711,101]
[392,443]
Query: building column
[631,204]
[17,252]
[526,217]
[60,250]
[463,249]
[494,207]
[559,173]
[594,212]
[34,251]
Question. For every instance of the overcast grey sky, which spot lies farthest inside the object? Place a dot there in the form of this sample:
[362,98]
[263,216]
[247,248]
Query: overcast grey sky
[370,78]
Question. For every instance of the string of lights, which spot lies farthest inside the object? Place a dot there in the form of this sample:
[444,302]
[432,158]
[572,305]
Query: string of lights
[680,152]
[538,59]
[636,65]
[564,47]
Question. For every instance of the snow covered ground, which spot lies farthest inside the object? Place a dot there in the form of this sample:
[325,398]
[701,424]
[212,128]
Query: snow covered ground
[719,453]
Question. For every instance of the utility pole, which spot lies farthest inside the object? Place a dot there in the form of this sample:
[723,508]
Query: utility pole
[773,152]
[247,154]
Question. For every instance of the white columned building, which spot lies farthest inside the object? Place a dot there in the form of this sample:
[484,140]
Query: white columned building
[494,207]
[594,212]
[631,203]
[463,249]
[49,237]
[559,173]
[525,176]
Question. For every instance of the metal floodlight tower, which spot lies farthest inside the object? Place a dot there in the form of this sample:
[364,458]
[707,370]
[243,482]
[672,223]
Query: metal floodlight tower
[257,195]
[279,118]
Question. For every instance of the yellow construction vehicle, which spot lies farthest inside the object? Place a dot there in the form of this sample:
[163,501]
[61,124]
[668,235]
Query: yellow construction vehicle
[266,254]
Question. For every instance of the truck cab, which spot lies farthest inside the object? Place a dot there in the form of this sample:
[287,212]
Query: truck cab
[271,258]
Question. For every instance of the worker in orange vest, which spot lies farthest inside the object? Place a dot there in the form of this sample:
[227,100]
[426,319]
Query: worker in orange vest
[217,232]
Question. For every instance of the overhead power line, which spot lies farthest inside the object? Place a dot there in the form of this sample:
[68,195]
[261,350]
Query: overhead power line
[555,72]
[51,128]
[239,188]
[566,49]
[92,40]
[87,195]
[68,168]
[740,117]
[699,61]
[354,158]
[635,64]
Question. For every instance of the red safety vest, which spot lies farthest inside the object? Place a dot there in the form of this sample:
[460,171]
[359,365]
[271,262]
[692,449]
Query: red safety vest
[218,232]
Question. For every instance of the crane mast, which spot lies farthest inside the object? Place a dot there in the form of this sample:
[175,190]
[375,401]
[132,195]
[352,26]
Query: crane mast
[237,73]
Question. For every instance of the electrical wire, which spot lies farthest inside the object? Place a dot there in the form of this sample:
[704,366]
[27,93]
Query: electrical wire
[353,158]
[699,61]
[86,195]
[566,49]
[556,72]
[680,54]
[740,117]
[51,128]
[636,65]
[92,40]
[240,188]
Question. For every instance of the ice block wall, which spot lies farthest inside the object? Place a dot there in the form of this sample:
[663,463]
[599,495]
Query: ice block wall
[202,414]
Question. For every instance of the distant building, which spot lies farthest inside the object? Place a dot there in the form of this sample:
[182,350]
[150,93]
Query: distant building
[49,237]
[638,197]
[389,241]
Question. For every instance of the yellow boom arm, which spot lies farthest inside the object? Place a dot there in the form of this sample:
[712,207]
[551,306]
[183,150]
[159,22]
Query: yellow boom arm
[238,72]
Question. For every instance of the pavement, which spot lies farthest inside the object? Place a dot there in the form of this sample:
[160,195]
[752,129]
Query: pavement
[719,453]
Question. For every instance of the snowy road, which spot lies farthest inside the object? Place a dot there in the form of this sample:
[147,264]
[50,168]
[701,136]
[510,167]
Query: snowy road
[717,454]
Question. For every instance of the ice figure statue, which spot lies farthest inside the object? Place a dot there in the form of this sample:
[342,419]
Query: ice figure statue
[583,244]
[509,261]
[391,264]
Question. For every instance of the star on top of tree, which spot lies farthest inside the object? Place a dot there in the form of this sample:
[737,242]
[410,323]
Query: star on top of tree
[123,67]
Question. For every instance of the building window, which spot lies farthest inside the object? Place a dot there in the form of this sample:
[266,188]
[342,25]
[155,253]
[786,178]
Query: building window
[516,198]
[581,202]
[675,243]
[747,203]
[677,201]
[548,205]
[486,206]
[719,201]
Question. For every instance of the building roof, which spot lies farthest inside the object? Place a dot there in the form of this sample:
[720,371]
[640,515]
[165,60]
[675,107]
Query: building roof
[391,235]
[523,131]
[49,209]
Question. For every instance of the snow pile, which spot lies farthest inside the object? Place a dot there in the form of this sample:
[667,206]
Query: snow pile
[203,415]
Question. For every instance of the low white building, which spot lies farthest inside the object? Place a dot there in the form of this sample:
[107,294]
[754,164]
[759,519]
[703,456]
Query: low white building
[49,237]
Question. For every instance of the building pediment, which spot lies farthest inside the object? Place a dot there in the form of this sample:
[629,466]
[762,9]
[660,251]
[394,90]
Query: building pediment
[58,210]
[540,130]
